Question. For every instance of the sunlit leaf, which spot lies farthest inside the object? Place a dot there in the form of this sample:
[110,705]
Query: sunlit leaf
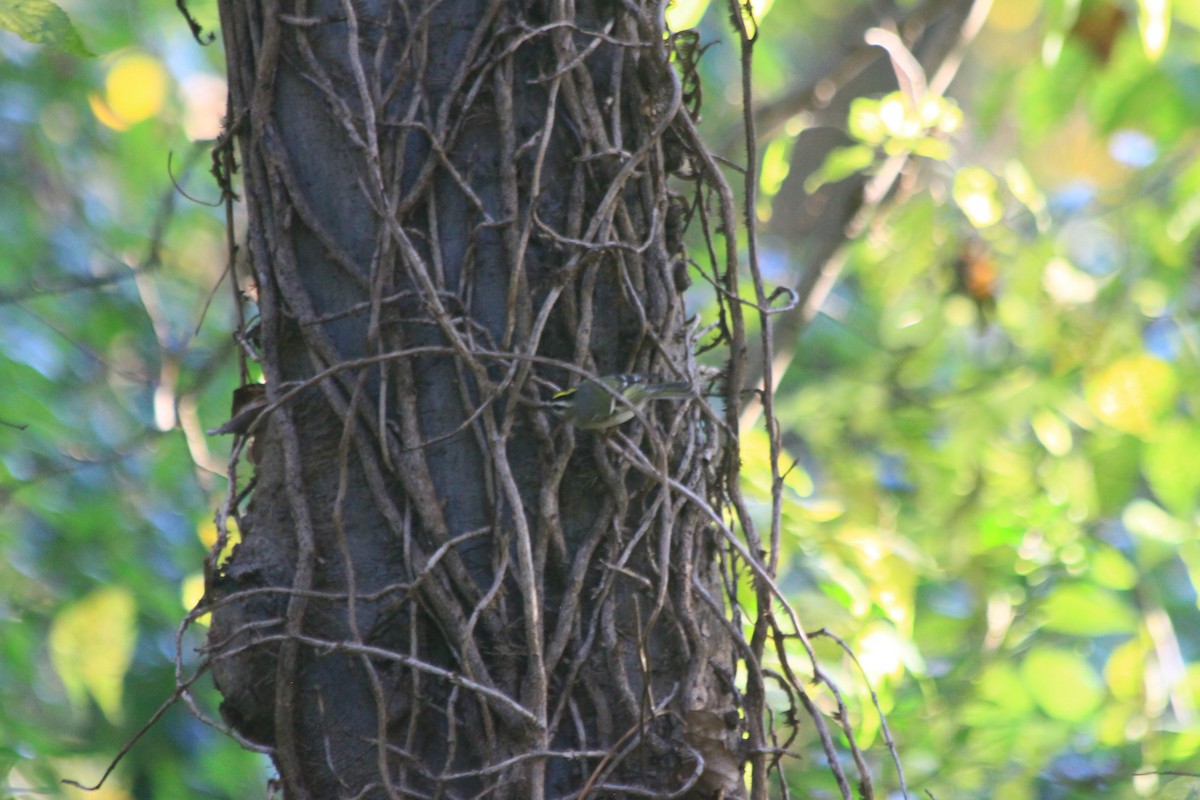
[1052,431]
[1169,464]
[1154,25]
[940,114]
[760,8]
[975,194]
[1187,788]
[776,163]
[930,147]
[1185,744]
[208,534]
[756,466]
[684,14]
[1151,521]
[840,163]
[91,645]
[1114,458]
[1115,724]
[1125,671]
[896,116]
[1113,570]
[864,121]
[135,88]
[41,22]
[1131,393]
[105,114]
[824,509]
[1068,285]
[1023,187]
[883,652]
[1061,16]
[191,592]
[1013,15]
[1001,685]
[1062,683]
[1081,609]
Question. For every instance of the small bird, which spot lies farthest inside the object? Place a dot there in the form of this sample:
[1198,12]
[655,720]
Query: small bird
[594,405]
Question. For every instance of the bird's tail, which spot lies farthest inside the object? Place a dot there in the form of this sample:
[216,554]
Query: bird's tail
[670,391]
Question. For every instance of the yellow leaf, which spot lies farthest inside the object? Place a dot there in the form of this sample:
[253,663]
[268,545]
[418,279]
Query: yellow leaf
[91,646]
[190,593]
[1130,394]
[136,87]
[1125,671]
[1011,16]
[207,532]
[105,114]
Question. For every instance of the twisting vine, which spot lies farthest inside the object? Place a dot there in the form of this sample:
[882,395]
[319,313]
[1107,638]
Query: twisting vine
[441,590]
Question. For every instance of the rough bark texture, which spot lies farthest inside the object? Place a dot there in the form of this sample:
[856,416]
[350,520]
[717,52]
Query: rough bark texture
[454,208]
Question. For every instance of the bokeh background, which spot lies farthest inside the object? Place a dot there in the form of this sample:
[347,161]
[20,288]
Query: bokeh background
[991,424]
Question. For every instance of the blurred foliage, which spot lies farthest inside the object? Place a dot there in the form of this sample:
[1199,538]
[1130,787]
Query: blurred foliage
[41,22]
[110,371]
[995,414]
[993,422]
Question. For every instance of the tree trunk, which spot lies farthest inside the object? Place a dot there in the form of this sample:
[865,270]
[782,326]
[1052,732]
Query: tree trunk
[454,209]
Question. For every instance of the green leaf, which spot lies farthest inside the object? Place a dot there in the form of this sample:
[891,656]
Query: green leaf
[840,163]
[1081,609]
[1000,685]
[1112,570]
[1150,521]
[1131,393]
[776,163]
[1062,683]
[91,645]
[1181,789]
[1125,671]
[1115,460]
[1052,431]
[864,121]
[975,193]
[1023,187]
[930,147]
[8,760]
[1168,462]
[41,22]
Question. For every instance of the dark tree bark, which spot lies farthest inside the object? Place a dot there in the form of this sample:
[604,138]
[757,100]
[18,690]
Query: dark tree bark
[441,591]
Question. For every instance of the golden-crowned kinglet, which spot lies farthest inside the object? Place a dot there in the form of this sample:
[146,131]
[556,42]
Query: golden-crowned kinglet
[594,404]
